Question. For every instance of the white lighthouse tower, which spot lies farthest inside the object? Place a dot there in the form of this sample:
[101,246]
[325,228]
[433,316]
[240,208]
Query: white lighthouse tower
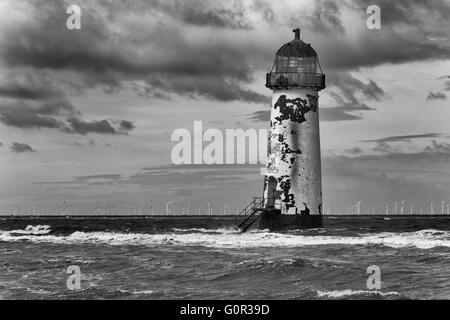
[292,185]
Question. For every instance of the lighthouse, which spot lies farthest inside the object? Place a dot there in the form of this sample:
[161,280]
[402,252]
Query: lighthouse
[292,194]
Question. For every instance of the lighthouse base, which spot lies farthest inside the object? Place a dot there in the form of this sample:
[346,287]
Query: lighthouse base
[275,221]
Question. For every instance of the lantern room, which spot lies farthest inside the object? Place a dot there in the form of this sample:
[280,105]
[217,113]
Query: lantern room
[296,66]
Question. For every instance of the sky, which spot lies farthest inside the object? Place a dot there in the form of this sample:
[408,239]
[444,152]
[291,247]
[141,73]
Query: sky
[87,115]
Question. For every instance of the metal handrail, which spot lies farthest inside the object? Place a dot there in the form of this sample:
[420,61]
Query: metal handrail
[253,204]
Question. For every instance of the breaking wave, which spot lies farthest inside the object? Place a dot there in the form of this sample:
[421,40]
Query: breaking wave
[229,238]
[31,230]
[352,293]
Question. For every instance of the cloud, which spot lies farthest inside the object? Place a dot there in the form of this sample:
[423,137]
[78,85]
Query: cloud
[383,147]
[405,137]
[354,151]
[83,127]
[437,147]
[338,114]
[326,114]
[209,65]
[348,93]
[21,147]
[96,178]
[119,43]
[325,18]
[126,125]
[51,113]
[436,96]
[447,86]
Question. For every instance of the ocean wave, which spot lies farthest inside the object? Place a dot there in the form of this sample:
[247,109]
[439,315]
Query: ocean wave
[424,239]
[204,230]
[32,230]
[336,294]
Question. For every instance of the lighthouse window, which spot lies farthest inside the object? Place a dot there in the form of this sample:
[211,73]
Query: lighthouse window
[310,65]
[282,64]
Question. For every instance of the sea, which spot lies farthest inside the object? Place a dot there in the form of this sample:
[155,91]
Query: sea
[208,258]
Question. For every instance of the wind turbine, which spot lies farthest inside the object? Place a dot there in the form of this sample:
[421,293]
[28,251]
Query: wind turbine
[402,207]
[58,208]
[443,202]
[358,207]
[108,207]
[188,209]
[395,207]
[98,209]
[18,207]
[168,207]
[149,208]
[432,208]
[209,208]
[66,209]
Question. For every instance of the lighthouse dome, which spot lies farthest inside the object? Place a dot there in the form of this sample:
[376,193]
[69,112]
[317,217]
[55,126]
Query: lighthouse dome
[296,48]
[296,66]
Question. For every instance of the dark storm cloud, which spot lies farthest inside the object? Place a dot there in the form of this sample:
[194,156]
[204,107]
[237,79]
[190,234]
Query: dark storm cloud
[50,114]
[348,94]
[214,69]
[31,101]
[348,87]
[101,126]
[213,13]
[405,138]
[36,115]
[215,88]
[126,125]
[436,96]
[163,54]
[326,18]
[407,12]
[21,147]
[410,31]
[14,90]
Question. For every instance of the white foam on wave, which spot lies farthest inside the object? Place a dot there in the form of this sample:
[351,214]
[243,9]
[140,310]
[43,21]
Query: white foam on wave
[32,230]
[424,239]
[348,293]
[204,230]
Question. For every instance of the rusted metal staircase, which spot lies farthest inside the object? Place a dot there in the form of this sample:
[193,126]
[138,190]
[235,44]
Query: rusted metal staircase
[251,213]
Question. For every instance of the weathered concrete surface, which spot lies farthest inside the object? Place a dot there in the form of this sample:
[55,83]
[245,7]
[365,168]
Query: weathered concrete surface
[293,176]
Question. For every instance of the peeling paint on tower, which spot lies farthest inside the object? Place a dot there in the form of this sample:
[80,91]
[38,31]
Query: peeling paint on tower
[293,177]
